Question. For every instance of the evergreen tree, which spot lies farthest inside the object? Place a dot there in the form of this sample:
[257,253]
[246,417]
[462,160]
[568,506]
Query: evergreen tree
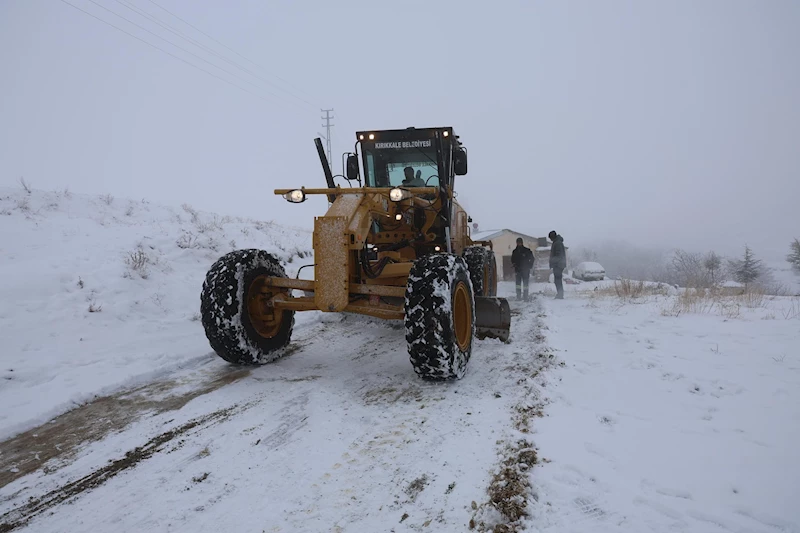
[794,256]
[748,269]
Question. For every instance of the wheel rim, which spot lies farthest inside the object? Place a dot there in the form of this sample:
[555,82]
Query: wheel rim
[462,316]
[261,298]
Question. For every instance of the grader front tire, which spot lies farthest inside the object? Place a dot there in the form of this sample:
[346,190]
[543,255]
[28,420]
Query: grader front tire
[439,317]
[236,311]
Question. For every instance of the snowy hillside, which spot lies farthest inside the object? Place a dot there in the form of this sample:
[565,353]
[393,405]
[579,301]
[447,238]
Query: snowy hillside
[97,292]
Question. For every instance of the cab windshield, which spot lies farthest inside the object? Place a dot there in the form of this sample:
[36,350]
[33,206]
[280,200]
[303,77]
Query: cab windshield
[393,165]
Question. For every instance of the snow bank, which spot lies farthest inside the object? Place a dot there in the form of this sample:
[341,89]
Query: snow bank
[670,423]
[98,292]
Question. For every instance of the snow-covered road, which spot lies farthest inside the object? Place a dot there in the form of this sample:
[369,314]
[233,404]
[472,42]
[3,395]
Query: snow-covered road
[339,436]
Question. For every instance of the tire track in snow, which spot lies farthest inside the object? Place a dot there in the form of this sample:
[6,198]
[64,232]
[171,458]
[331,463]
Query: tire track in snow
[53,445]
[21,515]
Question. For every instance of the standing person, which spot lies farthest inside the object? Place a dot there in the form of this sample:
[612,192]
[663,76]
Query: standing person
[522,259]
[558,262]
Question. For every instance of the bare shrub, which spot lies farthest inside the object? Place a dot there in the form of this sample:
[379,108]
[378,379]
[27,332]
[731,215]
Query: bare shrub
[192,213]
[24,205]
[775,289]
[138,261]
[213,225]
[210,243]
[695,301]
[629,289]
[266,227]
[753,298]
[94,307]
[713,265]
[626,289]
[690,269]
[187,240]
[107,199]
[793,311]
[66,193]
[158,300]
[729,309]
[80,283]
[715,300]
[25,185]
[129,210]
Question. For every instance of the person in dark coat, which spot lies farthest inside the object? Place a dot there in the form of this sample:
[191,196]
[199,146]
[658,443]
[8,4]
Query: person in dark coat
[522,259]
[558,262]
[411,180]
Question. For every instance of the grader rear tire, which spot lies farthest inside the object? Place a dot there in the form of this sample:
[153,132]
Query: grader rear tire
[234,308]
[439,317]
[482,270]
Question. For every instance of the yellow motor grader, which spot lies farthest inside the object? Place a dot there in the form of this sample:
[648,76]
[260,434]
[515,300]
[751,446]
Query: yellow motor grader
[396,246]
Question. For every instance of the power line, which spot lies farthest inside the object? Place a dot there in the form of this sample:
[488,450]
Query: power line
[225,46]
[205,48]
[166,52]
[164,25]
[189,52]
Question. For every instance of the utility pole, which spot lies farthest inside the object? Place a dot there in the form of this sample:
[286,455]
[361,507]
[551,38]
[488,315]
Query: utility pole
[327,125]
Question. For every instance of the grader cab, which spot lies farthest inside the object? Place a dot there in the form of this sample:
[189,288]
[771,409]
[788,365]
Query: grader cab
[395,246]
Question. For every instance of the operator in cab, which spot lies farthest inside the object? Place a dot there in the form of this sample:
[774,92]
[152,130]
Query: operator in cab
[410,180]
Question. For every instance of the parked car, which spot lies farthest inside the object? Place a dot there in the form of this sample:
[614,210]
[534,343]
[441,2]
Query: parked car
[589,271]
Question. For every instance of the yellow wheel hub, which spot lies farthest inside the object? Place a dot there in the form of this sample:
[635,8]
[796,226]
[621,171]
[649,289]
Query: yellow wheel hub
[261,298]
[462,316]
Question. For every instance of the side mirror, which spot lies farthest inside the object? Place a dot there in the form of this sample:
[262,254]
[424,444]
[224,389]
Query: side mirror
[460,162]
[352,167]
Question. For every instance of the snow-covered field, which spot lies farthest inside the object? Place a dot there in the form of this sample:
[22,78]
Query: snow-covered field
[602,414]
[673,423]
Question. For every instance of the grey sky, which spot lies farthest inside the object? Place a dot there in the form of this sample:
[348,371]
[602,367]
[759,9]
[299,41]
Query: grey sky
[668,123]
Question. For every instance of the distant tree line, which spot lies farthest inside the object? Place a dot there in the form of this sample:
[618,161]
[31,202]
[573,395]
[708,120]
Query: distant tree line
[683,268]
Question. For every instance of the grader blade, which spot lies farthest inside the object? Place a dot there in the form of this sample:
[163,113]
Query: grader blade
[492,318]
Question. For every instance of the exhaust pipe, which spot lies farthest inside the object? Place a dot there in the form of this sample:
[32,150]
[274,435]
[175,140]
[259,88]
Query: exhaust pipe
[492,318]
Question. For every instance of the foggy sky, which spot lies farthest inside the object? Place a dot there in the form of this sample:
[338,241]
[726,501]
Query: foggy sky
[660,123]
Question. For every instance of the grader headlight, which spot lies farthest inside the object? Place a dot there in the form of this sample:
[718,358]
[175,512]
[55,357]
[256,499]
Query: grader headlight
[396,194]
[296,196]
